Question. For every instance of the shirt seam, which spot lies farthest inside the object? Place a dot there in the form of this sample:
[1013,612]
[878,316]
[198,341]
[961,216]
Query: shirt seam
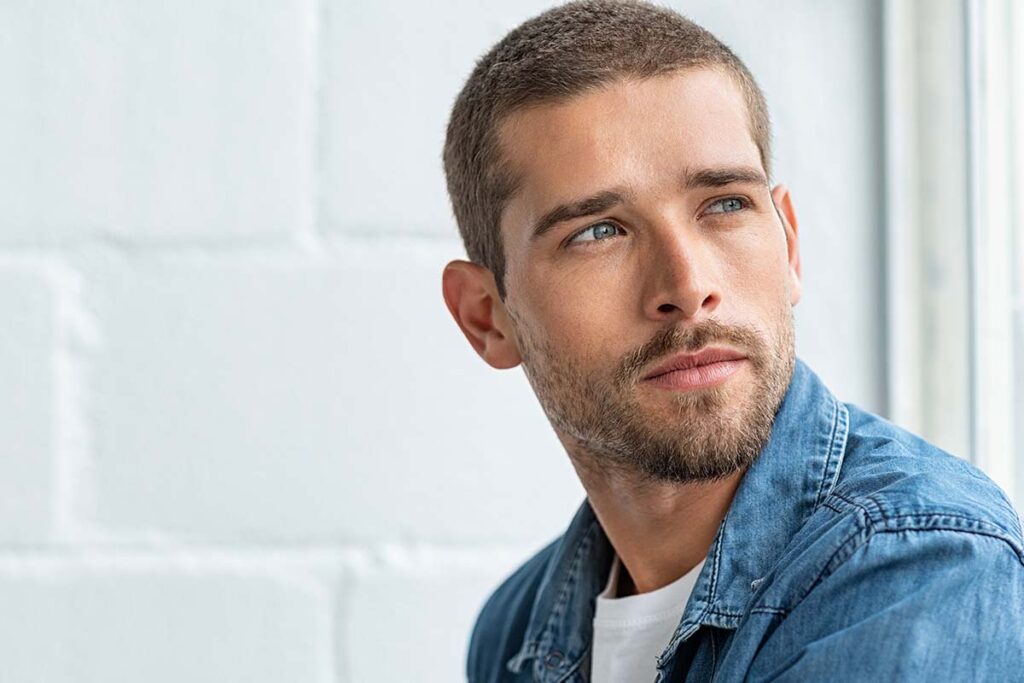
[576,665]
[880,521]
[532,646]
[563,594]
[860,537]
[830,452]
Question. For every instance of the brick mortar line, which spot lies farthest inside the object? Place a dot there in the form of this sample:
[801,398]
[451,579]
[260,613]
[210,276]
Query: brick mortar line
[311,245]
[321,561]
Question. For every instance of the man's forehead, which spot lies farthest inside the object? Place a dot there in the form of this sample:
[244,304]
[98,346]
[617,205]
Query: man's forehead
[635,131]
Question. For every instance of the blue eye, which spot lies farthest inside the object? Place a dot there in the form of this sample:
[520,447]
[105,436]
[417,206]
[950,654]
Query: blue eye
[600,231]
[728,205]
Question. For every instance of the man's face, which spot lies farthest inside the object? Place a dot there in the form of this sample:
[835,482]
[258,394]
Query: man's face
[691,254]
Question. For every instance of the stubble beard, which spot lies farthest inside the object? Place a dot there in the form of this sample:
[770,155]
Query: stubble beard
[706,434]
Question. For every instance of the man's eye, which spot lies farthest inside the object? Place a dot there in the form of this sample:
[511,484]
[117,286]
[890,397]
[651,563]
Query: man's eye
[727,205]
[599,231]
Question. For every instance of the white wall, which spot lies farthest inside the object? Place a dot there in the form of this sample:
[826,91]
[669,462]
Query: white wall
[242,438]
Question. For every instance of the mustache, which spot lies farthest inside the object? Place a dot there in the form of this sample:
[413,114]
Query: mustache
[674,340]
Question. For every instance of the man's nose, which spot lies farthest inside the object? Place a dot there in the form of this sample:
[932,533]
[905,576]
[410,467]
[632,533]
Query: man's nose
[681,278]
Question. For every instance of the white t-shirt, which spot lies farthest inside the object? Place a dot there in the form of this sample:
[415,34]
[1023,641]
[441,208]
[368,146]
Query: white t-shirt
[630,633]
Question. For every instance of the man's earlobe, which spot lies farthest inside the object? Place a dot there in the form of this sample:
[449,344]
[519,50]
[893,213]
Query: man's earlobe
[471,295]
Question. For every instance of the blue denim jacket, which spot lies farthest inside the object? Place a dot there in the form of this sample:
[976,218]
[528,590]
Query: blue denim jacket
[852,551]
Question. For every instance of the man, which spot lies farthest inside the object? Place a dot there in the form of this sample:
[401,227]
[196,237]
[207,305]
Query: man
[608,165]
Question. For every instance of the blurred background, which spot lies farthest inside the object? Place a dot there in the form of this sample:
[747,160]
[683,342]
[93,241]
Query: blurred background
[242,438]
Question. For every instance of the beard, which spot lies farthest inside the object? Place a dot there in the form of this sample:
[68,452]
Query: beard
[702,435]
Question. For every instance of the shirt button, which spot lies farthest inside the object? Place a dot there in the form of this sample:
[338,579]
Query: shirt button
[553,660]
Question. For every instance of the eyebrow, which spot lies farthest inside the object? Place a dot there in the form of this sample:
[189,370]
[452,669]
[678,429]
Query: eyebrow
[606,199]
[718,177]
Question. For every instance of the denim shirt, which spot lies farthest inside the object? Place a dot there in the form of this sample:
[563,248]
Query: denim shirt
[852,551]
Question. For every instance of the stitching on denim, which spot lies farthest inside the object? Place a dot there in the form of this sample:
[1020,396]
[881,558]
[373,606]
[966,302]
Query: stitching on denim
[995,528]
[848,501]
[719,537]
[825,503]
[837,453]
[576,665]
[881,508]
[869,531]
[547,633]
[705,610]
[852,503]
[998,534]
[828,568]
[828,452]
[878,516]
[677,637]
[767,609]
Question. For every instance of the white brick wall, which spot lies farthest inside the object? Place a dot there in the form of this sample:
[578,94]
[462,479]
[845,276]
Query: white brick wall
[242,439]
[155,122]
[161,625]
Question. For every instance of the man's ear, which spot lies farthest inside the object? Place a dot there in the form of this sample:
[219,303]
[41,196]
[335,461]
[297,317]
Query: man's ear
[471,295]
[784,205]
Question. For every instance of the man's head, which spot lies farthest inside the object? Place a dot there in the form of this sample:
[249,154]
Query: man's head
[607,164]
[557,55]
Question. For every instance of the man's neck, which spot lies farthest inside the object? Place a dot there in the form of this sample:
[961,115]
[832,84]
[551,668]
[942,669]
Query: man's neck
[659,531]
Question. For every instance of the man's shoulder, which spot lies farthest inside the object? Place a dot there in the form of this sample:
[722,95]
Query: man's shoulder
[901,503]
[891,479]
[502,621]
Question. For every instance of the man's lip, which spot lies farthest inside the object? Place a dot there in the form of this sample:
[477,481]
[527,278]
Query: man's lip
[683,361]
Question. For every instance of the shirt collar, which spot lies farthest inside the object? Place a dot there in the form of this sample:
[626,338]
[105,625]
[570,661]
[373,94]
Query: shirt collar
[794,473]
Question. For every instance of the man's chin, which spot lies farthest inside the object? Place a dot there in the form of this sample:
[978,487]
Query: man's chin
[704,404]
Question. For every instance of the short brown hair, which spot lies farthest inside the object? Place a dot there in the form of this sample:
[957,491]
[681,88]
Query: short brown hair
[552,57]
